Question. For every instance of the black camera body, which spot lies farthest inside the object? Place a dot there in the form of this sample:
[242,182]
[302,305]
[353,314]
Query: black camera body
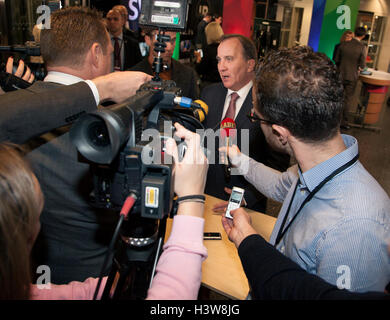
[125,146]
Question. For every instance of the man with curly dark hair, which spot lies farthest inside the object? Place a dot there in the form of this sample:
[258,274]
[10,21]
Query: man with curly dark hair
[335,218]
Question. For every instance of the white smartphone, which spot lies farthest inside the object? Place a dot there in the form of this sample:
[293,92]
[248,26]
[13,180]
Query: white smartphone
[234,201]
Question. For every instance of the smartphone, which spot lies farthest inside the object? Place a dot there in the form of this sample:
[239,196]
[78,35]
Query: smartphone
[234,201]
[212,236]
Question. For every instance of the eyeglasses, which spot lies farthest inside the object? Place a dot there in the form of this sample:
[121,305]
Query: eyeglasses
[254,118]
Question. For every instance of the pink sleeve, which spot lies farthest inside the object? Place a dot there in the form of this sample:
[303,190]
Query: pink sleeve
[73,291]
[179,269]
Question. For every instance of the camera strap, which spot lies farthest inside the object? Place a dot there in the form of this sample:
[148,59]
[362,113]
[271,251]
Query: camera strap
[282,232]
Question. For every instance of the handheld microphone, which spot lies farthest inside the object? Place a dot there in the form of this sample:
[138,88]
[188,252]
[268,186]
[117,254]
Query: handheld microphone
[227,134]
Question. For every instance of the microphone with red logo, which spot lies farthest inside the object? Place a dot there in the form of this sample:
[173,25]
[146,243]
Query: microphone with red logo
[227,134]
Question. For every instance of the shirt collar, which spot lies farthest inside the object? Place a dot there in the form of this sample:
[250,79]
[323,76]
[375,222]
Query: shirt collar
[243,91]
[61,78]
[317,174]
[120,37]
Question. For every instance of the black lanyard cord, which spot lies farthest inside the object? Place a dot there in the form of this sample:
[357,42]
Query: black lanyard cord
[282,232]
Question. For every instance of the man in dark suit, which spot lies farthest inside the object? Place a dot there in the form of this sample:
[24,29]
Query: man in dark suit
[126,49]
[185,77]
[236,63]
[74,236]
[26,113]
[200,38]
[350,59]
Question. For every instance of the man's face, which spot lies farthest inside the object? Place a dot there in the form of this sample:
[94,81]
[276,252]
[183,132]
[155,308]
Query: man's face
[271,136]
[115,22]
[234,69]
[348,37]
[167,55]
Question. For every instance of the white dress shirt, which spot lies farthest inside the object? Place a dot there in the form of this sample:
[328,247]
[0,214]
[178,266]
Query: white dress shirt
[68,79]
[243,92]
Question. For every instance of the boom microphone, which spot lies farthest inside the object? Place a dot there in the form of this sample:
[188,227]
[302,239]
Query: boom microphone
[227,134]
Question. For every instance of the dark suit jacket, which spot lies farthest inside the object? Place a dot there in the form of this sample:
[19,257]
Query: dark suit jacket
[74,236]
[208,66]
[132,51]
[185,77]
[349,57]
[214,96]
[27,113]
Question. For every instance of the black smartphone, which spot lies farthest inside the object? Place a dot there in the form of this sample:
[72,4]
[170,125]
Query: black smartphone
[212,236]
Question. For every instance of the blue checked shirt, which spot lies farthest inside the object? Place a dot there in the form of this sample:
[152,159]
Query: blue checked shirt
[342,233]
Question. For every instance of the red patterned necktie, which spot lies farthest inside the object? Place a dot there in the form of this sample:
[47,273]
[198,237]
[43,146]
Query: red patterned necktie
[117,55]
[231,111]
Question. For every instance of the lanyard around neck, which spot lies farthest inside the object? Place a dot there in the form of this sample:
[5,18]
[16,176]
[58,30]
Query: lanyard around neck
[282,232]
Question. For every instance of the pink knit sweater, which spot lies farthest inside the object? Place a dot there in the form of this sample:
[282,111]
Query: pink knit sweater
[178,274]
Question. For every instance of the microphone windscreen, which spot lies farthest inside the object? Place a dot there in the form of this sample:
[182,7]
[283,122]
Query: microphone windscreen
[228,128]
[202,113]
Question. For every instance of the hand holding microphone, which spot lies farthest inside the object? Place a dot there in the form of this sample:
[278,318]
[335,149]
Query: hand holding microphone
[232,152]
[228,133]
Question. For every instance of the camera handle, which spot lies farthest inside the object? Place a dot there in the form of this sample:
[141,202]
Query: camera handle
[134,266]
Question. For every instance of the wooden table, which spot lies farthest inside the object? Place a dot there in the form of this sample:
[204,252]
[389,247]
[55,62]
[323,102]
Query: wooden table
[222,270]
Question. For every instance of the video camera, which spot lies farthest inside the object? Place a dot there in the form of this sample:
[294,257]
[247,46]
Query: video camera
[124,144]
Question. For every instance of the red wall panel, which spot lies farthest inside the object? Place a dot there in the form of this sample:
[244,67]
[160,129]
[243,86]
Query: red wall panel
[238,17]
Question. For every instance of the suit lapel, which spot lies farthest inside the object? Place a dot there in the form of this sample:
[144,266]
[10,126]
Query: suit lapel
[246,107]
[216,108]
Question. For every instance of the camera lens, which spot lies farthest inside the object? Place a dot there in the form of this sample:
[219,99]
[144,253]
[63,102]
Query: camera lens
[98,134]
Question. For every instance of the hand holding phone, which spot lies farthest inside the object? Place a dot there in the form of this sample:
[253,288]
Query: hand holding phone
[234,201]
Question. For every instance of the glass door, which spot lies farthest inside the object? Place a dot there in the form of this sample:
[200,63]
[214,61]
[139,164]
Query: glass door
[375,26]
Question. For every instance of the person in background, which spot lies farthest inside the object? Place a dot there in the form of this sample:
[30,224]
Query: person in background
[351,59]
[126,49]
[346,36]
[125,16]
[217,18]
[22,202]
[200,37]
[184,76]
[207,68]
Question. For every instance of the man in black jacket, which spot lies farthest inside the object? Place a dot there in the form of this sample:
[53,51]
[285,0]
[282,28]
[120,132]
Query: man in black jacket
[74,236]
[126,49]
[236,63]
[350,59]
